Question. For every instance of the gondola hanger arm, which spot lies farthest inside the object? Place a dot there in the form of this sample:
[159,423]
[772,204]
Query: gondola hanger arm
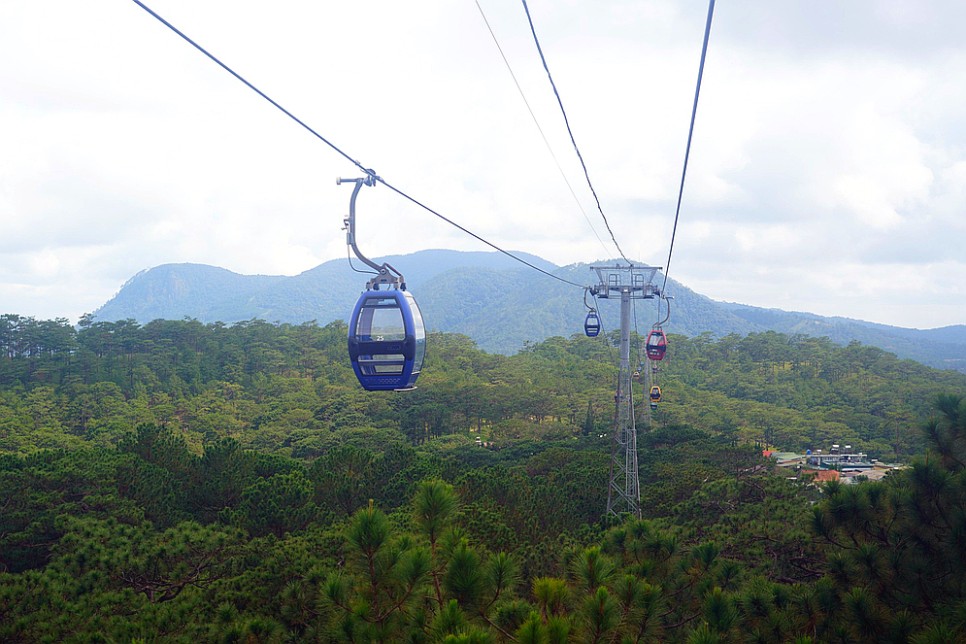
[387,274]
[667,300]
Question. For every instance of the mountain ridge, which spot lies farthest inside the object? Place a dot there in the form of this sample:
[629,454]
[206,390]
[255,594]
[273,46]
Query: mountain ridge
[500,303]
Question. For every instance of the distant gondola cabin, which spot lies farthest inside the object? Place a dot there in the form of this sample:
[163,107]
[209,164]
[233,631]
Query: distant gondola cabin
[592,324]
[656,345]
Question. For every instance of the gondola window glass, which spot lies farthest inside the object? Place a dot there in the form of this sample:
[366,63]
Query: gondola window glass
[420,333]
[381,320]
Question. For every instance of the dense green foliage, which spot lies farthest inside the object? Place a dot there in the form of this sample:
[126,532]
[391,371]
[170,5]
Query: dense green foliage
[186,482]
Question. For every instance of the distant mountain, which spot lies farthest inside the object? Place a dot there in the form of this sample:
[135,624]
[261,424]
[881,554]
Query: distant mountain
[490,297]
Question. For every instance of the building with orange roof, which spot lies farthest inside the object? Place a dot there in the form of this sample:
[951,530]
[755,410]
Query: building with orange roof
[823,476]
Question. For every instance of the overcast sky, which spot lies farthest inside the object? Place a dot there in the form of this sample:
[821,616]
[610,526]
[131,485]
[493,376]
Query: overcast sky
[827,171]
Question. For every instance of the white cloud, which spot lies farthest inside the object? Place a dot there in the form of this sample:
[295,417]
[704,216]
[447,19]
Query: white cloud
[829,149]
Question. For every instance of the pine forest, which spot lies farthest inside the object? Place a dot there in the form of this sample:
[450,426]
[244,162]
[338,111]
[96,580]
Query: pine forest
[187,482]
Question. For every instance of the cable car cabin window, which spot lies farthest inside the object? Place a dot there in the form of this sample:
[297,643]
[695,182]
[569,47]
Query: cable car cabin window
[380,320]
[419,331]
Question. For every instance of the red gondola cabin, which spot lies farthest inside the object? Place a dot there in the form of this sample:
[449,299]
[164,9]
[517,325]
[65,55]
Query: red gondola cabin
[656,345]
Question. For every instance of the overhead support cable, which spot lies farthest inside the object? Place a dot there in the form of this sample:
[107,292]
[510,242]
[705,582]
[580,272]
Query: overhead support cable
[687,151]
[329,143]
[474,235]
[537,123]
[249,85]
[570,132]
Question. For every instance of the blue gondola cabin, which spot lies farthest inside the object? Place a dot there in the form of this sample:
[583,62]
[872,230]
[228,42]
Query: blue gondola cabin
[592,324]
[387,340]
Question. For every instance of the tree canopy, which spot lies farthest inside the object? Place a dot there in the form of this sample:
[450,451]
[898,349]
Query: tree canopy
[178,481]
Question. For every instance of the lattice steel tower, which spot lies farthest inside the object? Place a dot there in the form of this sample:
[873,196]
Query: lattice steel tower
[629,282]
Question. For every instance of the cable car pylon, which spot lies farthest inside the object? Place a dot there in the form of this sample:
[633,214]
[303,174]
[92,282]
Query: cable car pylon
[629,282]
[387,338]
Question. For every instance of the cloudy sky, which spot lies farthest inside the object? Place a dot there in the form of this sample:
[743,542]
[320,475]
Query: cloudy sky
[827,172]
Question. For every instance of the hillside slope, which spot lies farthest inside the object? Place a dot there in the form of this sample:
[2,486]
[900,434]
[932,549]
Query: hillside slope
[491,298]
